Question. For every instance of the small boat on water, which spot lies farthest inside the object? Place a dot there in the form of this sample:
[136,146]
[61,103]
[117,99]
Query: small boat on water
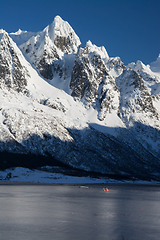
[105,190]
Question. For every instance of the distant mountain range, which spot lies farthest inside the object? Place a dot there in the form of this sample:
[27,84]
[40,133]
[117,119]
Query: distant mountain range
[65,104]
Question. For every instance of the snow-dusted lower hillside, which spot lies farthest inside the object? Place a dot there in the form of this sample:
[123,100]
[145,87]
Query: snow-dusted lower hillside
[65,104]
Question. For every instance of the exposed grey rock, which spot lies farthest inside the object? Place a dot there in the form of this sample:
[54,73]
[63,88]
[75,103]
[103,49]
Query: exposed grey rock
[92,83]
[12,74]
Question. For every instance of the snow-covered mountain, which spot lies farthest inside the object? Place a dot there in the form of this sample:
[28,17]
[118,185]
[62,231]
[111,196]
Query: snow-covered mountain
[65,104]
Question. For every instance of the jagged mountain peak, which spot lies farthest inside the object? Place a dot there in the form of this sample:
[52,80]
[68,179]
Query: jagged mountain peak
[62,27]
[138,66]
[61,33]
[3,33]
[97,50]
[19,32]
[150,71]
[39,118]
[47,48]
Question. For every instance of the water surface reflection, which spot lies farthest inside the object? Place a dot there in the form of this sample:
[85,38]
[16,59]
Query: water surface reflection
[62,212]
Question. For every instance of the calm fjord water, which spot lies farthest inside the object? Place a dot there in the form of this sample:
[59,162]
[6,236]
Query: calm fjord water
[62,212]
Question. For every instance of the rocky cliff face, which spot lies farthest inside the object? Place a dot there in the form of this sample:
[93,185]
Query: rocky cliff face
[12,74]
[95,114]
[92,81]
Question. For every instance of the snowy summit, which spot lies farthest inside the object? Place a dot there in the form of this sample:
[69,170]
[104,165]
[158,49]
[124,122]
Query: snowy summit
[62,104]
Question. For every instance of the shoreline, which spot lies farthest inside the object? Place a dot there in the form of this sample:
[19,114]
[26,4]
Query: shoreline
[79,184]
[23,176]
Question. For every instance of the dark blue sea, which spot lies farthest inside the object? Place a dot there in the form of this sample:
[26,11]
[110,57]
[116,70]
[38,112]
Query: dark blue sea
[71,212]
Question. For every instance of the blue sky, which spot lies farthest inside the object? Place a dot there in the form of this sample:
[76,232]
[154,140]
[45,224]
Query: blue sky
[126,28]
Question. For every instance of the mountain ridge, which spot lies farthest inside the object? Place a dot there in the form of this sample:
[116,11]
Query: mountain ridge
[77,104]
